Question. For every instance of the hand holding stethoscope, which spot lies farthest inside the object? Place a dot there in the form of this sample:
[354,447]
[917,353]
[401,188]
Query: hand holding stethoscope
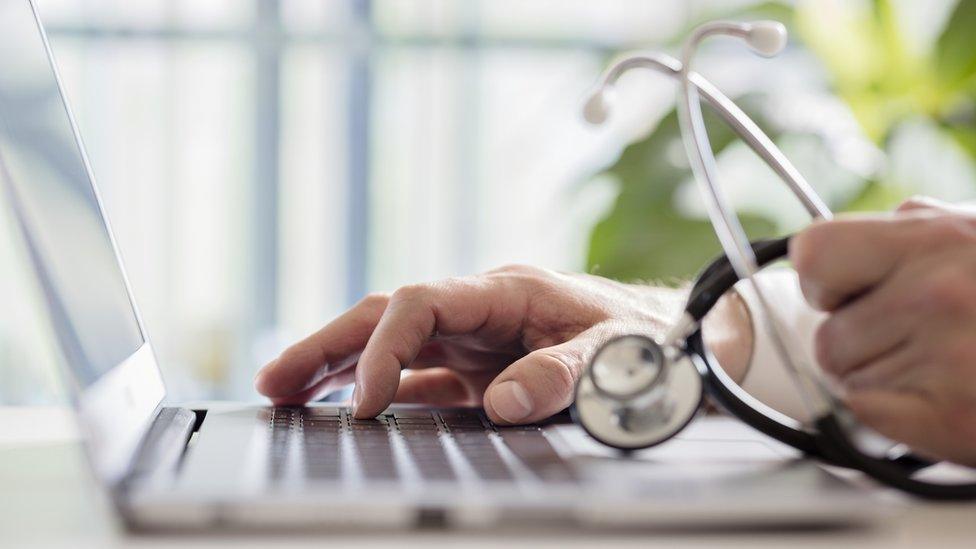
[637,392]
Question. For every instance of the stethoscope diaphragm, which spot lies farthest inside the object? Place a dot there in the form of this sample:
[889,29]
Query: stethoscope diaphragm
[636,394]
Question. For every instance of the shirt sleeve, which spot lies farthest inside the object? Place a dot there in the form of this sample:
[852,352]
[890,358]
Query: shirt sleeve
[767,378]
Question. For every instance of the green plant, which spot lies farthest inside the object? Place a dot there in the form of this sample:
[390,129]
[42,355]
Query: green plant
[870,66]
[644,236]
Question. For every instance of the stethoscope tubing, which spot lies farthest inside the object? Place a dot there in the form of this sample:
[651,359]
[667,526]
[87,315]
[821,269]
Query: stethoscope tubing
[744,126]
[826,440]
[826,437]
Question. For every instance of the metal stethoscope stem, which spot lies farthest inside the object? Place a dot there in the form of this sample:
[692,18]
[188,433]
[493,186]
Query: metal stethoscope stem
[597,108]
[637,392]
[766,38]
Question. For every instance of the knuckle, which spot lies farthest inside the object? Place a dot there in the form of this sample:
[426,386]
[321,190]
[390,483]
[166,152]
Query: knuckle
[559,374]
[521,276]
[806,255]
[815,294]
[806,247]
[950,289]
[454,285]
[374,299]
[511,268]
[916,202]
[518,270]
[824,342]
[948,229]
[411,293]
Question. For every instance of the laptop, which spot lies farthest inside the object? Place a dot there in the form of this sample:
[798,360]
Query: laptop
[237,466]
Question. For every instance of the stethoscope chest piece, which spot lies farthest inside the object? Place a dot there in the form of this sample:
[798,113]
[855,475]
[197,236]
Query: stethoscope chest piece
[635,393]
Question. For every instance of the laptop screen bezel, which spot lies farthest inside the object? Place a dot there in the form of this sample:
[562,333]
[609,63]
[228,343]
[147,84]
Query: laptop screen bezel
[115,410]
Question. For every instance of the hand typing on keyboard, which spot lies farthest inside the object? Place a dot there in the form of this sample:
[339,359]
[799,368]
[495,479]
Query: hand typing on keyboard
[514,340]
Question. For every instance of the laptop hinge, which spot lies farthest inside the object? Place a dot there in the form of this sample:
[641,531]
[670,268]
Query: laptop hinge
[163,446]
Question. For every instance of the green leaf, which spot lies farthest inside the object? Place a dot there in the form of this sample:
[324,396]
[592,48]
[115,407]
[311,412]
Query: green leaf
[877,197]
[644,236]
[770,9]
[956,48]
[965,135]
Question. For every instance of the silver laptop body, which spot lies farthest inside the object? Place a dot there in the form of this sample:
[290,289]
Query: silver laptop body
[253,467]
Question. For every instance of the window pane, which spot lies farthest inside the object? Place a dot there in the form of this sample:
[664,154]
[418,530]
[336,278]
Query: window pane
[311,16]
[146,14]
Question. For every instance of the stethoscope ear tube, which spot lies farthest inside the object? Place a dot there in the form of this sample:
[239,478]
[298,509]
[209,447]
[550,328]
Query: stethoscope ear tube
[719,277]
[711,284]
[722,392]
[827,440]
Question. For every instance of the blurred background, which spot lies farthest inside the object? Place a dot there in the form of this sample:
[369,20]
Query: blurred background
[265,163]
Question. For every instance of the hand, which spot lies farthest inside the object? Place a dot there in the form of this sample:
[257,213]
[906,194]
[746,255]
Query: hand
[514,339]
[901,334]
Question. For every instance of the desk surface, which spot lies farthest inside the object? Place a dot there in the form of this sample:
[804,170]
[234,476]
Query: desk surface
[48,499]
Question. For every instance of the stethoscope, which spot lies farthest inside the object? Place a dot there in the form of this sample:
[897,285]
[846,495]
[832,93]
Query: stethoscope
[637,392]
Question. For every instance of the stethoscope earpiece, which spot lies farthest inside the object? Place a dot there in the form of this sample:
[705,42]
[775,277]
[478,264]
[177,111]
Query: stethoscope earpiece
[596,110]
[766,38]
[636,393]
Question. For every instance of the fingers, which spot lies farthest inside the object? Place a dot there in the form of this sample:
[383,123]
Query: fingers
[325,386]
[865,329]
[895,370]
[940,427]
[540,384]
[838,259]
[413,315]
[924,203]
[333,348]
[903,416]
[436,387]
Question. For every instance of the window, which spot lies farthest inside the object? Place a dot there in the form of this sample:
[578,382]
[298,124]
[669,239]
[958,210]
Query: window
[266,163]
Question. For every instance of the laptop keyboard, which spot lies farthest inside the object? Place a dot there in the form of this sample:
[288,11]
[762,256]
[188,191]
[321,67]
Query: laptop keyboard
[328,444]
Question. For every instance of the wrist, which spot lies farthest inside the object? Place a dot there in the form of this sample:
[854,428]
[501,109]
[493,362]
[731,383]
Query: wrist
[728,334]
[661,301]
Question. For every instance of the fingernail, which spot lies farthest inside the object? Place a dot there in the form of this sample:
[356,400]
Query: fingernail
[511,401]
[356,397]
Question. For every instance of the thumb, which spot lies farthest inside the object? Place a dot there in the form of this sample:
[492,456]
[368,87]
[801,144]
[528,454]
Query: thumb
[918,202]
[541,383]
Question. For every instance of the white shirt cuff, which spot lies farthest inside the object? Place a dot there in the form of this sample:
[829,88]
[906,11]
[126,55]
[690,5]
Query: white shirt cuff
[767,378]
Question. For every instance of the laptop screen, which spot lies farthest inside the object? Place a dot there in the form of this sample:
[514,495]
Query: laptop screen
[45,180]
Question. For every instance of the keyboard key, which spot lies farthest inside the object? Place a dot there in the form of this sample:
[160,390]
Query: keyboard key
[322,435]
[412,414]
[461,416]
[535,451]
[321,425]
[371,421]
[322,412]
[369,428]
[415,421]
[417,427]
[373,450]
